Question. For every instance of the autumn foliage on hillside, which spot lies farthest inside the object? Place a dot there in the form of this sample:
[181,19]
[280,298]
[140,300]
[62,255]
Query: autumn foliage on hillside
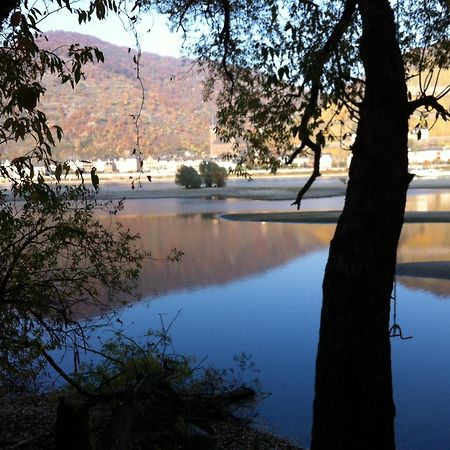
[97,116]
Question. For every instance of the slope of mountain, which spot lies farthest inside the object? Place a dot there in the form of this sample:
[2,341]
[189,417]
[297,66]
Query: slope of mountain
[97,116]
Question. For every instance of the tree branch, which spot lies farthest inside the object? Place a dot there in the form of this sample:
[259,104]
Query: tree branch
[430,101]
[322,57]
[67,378]
[316,172]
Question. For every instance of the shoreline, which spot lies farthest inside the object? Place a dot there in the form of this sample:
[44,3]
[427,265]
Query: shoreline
[330,217]
[274,188]
[262,187]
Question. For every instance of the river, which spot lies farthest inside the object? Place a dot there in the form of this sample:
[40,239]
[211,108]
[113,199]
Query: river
[256,287]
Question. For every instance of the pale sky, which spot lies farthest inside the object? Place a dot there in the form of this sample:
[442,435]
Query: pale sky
[159,40]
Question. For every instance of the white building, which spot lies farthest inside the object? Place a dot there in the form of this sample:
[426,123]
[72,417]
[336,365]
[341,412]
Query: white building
[326,161]
[428,156]
[126,165]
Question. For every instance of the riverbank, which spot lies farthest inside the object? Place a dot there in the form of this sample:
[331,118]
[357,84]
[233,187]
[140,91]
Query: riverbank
[29,424]
[260,188]
[274,187]
[331,217]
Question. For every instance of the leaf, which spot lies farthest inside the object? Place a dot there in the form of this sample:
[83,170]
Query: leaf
[16,18]
[66,168]
[94,178]
[58,172]
[59,132]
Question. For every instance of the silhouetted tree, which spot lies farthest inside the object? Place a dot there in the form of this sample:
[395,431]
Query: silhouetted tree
[56,256]
[293,75]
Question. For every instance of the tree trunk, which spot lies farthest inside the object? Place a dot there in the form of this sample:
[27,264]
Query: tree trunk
[353,405]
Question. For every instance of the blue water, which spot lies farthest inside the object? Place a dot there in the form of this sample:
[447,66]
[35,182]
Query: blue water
[272,310]
[274,316]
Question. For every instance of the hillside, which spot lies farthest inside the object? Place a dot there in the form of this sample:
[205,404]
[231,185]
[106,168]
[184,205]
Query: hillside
[96,116]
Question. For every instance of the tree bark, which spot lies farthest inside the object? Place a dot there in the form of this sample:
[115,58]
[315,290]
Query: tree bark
[353,405]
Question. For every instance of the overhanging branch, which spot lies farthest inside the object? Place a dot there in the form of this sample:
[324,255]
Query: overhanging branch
[6,8]
[315,174]
[430,101]
[321,57]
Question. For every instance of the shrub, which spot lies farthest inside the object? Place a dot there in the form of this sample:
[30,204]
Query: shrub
[213,174]
[188,177]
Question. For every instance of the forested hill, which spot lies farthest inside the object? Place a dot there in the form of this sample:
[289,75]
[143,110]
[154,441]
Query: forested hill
[96,116]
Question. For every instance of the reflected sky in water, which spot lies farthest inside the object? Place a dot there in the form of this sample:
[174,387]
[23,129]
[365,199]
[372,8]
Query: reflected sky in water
[257,288]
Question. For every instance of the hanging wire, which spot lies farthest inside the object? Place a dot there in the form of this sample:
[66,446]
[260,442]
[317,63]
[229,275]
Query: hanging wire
[395,330]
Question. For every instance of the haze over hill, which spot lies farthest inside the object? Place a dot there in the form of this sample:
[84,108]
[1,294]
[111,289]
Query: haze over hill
[97,115]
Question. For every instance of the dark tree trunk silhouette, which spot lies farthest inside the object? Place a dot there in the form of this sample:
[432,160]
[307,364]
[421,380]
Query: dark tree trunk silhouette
[353,406]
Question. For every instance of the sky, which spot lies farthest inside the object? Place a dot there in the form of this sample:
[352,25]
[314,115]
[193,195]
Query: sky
[158,40]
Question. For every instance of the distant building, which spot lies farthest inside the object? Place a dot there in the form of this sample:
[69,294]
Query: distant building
[429,155]
[126,165]
[326,161]
[104,166]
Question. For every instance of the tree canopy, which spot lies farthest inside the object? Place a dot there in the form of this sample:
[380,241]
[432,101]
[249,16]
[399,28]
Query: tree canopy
[291,75]
[57,253]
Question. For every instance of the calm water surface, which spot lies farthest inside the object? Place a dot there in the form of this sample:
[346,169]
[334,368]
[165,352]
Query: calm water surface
[256,287]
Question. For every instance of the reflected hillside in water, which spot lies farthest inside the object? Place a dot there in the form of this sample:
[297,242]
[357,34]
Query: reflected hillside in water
[217,251]
[425,243]
[428,200]
[436,286]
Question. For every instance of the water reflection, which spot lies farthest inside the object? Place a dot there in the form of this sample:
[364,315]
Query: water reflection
[428,200]
[428,246]
[217,251]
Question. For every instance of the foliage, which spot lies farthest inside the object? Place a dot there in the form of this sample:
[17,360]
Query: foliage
[122,363]
[188,177]
[58,264]
[290,73]
[166,398]
[212,174]
[60,261]
[23,64]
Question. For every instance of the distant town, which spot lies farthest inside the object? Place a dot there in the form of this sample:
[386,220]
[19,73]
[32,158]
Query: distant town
[424,157]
